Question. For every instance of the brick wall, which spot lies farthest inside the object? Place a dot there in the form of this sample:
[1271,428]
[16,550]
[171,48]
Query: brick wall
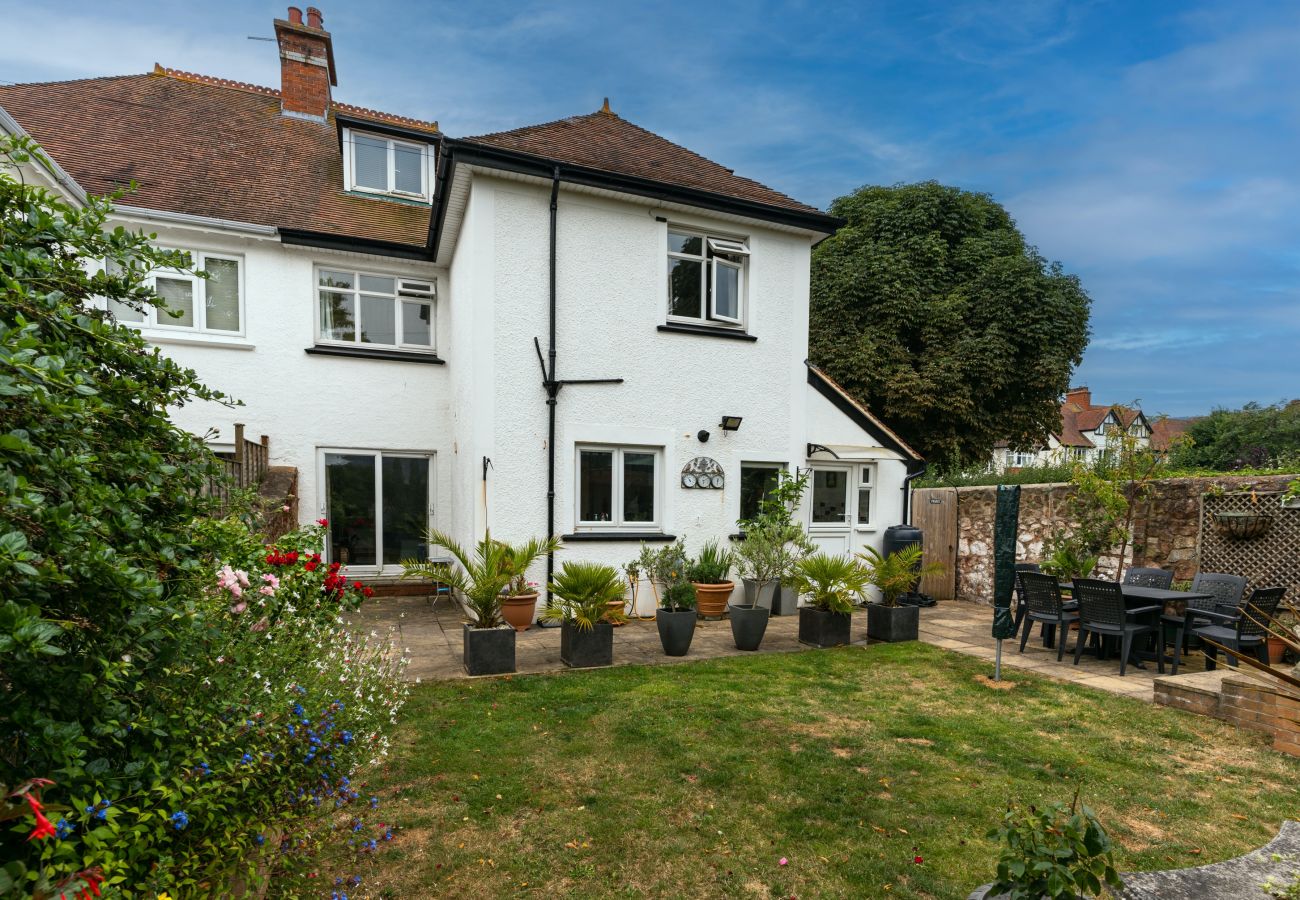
[1166,527]
[1244,701]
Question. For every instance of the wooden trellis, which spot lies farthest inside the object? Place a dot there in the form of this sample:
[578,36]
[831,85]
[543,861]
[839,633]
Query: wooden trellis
[1271,559]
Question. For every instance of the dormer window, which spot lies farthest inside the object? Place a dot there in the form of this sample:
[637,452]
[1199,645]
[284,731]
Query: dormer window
[379,164]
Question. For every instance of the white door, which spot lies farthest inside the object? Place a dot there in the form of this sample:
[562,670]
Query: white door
[830,506]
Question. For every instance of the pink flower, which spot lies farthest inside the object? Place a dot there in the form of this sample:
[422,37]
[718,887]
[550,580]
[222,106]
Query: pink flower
[266,590]
[784,862]
[285,508]
[239,607]
[242,576]
[260,625]
[271,580]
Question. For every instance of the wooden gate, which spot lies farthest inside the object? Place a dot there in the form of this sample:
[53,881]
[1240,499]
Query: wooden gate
[934,511]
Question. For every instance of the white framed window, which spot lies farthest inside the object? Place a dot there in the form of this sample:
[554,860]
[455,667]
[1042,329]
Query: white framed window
[706,278]
[379,505]
[866,490]
[380,164]
[211,305]
[757,480]
[617,487]
[363,308]
[1020,458]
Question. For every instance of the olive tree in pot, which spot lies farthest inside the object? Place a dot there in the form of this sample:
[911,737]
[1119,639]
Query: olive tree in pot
[708,572]
[582,592]
[830,584]
[481,579]
[776,515]
[894,574]
[676,618]
[765,557]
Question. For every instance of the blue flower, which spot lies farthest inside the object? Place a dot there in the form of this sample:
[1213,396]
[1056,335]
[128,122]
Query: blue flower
[179,820]
[246,759]
[347,737]
[357,826]
[259,839]
[203,769]
[99,810]
[292,730]
[374,802]
[63,828]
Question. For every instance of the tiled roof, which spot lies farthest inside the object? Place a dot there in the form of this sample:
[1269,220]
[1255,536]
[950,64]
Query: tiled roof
[1165,431]
[211,147]
[606,141]
[1070,435]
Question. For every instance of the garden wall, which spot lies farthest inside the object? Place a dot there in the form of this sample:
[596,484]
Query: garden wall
[1167,532]
[1247,702]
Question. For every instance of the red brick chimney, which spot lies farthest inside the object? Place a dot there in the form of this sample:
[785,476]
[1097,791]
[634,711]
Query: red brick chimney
[1080,396]
[306,64]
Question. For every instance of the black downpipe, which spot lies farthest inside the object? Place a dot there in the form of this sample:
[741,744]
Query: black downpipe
[907,492]
[552,391]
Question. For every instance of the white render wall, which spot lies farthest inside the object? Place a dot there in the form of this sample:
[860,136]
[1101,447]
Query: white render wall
[305,402]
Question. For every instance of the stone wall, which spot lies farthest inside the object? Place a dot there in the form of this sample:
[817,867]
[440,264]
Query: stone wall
[1166,527]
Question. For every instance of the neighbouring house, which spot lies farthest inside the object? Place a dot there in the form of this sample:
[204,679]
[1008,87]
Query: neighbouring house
[577,327]
[1090,432]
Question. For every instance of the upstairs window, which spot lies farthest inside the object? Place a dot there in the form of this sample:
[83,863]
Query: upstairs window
[211,305]
[386,165]
[706,279]
[375,310]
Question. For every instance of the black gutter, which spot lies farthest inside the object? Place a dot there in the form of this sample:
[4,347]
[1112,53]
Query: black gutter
[470,153]
[351,244]
[390,129]
[907,488]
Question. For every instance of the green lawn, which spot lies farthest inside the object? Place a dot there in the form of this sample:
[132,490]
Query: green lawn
[695,780]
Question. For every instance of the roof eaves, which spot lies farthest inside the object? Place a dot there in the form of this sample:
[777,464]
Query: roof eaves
[877,429]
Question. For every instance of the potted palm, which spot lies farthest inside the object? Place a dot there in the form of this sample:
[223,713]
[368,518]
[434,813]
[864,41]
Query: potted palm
[894,574]
[708,572]
[582,593]
[829,583]
[676,617]
[479,579]
[519,604]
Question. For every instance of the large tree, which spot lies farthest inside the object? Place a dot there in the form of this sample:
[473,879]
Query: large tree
[930,307]
[1253,436]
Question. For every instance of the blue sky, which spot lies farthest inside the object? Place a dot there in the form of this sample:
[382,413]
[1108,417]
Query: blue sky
[1151,147]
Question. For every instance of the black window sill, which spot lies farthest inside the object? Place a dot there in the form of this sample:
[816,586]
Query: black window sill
[707,331]
[414,356]
[610,536]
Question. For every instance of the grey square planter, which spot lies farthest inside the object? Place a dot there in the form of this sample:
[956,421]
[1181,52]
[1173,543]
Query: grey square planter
[756,596]
[821,628]
[489,651]
[786,601]
[585,649]
[675,630]
[893,623]
[748,625]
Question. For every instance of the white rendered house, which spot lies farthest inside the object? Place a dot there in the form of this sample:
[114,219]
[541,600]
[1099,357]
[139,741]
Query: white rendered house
[577,326]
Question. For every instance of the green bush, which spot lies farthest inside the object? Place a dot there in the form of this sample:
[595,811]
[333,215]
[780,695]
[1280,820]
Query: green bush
[1058,852]
[187,697]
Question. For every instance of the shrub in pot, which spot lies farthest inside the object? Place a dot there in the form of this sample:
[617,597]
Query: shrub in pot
[676,618]
[643,589]
[519,604]
[582,592]
[894,574]
[830,583]
[765,564]
[1058,852]
[709,573]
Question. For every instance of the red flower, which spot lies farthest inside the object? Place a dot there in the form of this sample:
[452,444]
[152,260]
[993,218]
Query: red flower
[368,592]
[917,860]
[43,827]
[311,566]
[323,523]
[358,585]
[293,557]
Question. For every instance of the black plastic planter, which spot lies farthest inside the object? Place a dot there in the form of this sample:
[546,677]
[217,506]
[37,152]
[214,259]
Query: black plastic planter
[893,623]
[748,625]
[785,601]
[584,649]
[489,651]
[676,629]
[822,628]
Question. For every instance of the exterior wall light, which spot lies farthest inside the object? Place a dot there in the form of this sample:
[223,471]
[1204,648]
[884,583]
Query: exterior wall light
[730,423]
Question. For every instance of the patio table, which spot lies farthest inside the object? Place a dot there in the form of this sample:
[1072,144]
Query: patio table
[1170,602]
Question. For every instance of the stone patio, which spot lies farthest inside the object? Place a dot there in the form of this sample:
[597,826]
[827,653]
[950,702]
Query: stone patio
[433,635]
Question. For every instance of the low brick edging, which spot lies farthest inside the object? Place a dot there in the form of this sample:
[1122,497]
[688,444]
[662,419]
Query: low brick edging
[1239,699]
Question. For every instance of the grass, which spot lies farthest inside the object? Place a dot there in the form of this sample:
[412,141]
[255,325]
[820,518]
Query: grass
[695,780]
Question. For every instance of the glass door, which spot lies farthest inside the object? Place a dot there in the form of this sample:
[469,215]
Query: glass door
[829,522]
[379,506]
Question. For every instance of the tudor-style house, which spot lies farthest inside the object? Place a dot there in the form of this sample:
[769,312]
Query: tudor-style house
[1091,432]
[577,326]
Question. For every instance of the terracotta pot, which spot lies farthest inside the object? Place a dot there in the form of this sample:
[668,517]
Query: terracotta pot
[616,606]
[519,610]
[711,599]
[1276,650]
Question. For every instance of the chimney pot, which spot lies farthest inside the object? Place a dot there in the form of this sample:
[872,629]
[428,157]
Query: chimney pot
[314,18]
[306,64]
[295,15]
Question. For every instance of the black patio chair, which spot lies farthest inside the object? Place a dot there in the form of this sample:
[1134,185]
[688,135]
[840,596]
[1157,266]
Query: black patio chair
[1241,628]
[1041,597]
[1021,609]
[1227,590]
[1102,613]
[1152,578]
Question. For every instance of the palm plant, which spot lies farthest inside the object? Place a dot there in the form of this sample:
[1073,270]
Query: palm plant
[895,573]
[830,582]
[583,592]
[520,557]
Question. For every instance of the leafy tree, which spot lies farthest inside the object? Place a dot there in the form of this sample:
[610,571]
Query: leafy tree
[1254,436]
[930,307]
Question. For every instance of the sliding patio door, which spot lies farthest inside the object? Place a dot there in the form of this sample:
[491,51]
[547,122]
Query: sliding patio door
[379,506]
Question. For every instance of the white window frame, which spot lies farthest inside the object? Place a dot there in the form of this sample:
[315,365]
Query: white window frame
[866,474]
[1019,459]
[323,491]
[711,245]
[158,321]
[780,465]
[406,290]
[349,165]
[616,522]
